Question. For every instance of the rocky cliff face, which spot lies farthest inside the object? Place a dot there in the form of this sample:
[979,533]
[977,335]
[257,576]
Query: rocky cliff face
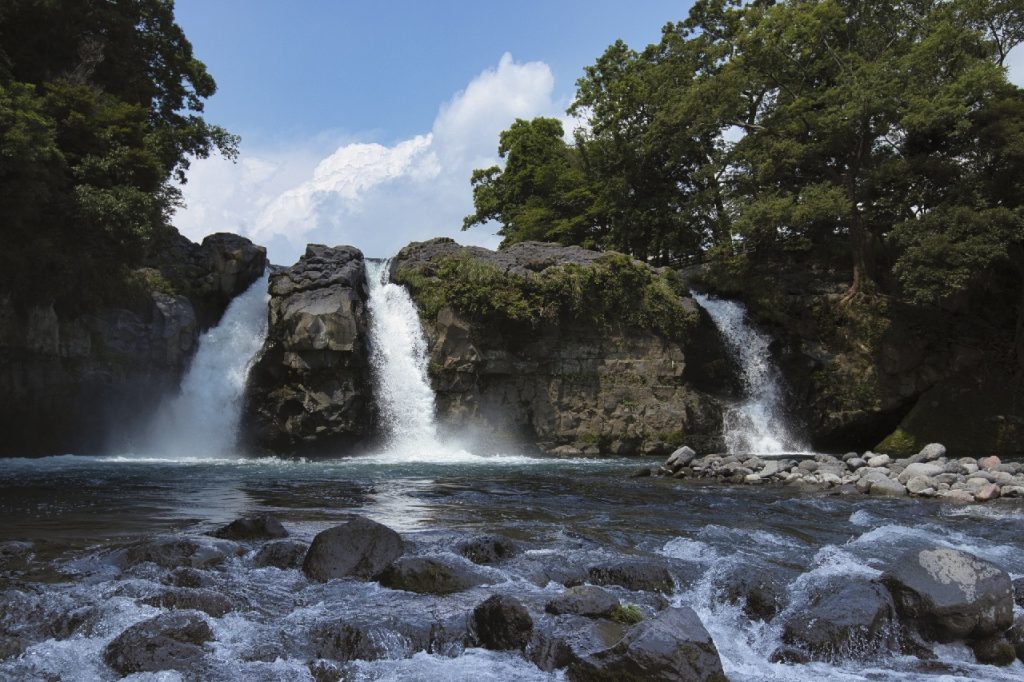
[78,383]
[874,373]
[311,390]
[574,351]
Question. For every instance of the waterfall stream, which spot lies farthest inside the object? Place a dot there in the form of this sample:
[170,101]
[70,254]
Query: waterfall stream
[202,419]
[756,424]
[399,359]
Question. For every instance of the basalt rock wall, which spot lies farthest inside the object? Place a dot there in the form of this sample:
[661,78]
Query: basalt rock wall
[310,390]
[81,382]
[570,350]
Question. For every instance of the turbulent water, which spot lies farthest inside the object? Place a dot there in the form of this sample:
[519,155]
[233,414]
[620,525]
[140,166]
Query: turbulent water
[202,419]
[757,424]
[83,513]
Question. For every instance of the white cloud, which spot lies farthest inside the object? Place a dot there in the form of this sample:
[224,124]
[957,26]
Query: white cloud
[374,196]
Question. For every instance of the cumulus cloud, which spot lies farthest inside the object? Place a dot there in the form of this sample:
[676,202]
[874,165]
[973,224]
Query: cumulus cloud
[378,197]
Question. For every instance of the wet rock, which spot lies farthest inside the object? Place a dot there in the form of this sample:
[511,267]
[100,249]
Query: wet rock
[262,527]
[386,637]
[177,552]
[326,671]
[950,595]
[672,646]
[761,593]
[1018,591]
[568,639]
[502,623]
[427,575]
[886,487]
[584,600]
[925,469]
[932,451]
[989,463]
[283,554]
[195,599]
[957,496]
[488,549]
[360,548]
[921,485]
[995,650]
[789,654]
[171,641]
[680,458]
[185,576]
[1015,636]
[879,461]
[853,620]
[649,575]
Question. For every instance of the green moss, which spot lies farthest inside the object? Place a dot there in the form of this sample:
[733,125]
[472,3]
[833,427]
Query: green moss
[626,614]
[676,438]
[900,443]
[614,291]
[587,438]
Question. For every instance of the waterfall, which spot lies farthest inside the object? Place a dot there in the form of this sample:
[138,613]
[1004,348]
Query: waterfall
[202,419]
[757,424]
[399,359]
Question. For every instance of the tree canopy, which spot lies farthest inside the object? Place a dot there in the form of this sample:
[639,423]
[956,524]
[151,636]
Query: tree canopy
[100,112]
[882,137]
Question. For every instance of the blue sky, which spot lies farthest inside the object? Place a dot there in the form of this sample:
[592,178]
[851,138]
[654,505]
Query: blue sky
[360,123]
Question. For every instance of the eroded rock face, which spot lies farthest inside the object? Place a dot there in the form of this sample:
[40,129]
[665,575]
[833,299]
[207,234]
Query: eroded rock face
[568,386]
[310,390]
[74,382]
[951,595]
[671,646]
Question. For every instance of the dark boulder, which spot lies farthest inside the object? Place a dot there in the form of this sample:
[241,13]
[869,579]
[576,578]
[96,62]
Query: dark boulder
[488,549]
[360,548]
[261,527]
[650,575]
[1018,591]
[429,576]
[584,600]
[283,554]
[950,595]
[761,593]
[1015,635]
[502,623]
[186,576]
[171,641]
[177,552]
[388,637]
[559,642]
[672,646]
[850,620]
[209,602]
[995,650]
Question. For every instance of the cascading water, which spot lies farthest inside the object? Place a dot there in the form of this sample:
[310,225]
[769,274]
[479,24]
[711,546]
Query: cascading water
[399,360]
[202,419]
[757,424]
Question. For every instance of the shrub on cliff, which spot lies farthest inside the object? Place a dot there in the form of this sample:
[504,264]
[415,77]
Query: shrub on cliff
[613,291]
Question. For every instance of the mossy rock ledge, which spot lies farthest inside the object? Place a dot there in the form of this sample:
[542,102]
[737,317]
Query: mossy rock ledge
[575,352]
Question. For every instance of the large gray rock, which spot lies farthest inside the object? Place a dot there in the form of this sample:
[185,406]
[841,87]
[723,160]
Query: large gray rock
[584,600]
[260,527]
[672,646]
[360,548]
[282,554]
[310,390]
[208,601]
[950,595]
[428,575]
[649,575]
[852,620]
[568,639]
[175,552]
[488,549]
[171,641]
[388,637]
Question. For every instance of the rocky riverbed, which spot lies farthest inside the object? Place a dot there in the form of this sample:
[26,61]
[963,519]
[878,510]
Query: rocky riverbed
[483,568]
[929,473]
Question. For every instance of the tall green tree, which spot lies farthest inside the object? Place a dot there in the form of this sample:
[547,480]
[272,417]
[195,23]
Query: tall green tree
[102,104]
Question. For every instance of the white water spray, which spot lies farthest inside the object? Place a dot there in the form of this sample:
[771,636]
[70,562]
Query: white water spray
[203,419]
[399,359]
[757,424]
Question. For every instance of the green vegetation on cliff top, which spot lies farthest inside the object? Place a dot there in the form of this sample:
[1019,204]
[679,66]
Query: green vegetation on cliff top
[612,292]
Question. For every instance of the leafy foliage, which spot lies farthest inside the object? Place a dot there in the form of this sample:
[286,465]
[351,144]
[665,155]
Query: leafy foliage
[99,112]
[882,138]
